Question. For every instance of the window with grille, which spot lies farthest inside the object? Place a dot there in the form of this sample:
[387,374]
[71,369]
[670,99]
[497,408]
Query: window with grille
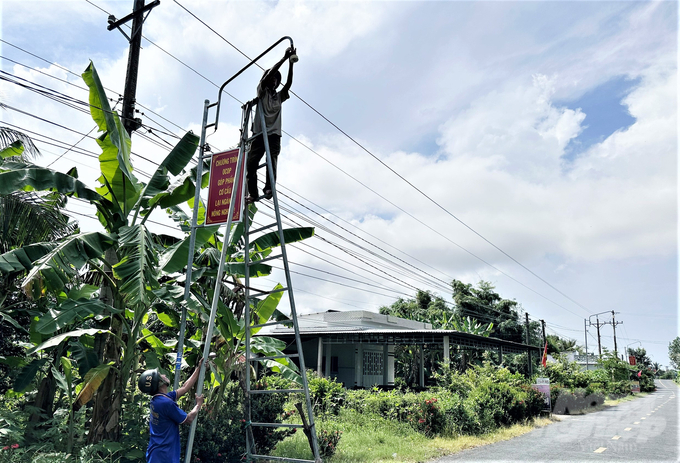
[373,363]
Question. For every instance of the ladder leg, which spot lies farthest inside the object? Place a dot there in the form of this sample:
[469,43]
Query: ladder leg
[250,438]
[298,341]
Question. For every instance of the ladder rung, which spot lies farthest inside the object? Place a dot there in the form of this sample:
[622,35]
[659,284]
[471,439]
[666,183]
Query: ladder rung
[275,391]
[279,322]
[277,425]
[263,228]
[274,357]
[262,165]
[267,457]
[278,256]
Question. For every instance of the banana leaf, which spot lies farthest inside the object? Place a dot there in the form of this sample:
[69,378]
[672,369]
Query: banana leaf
[59,317]
[16,148]
[118,183]
[34,178]
[265,309]
[92,380]
[290,235]
[174,259]
[55,340]
[62,263]
[27,374]
[174,162]
[138,266]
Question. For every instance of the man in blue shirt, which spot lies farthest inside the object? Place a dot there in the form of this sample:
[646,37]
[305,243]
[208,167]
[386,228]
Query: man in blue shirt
[166,416]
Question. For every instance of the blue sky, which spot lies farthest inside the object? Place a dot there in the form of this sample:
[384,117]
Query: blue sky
[549,127]
[605,113]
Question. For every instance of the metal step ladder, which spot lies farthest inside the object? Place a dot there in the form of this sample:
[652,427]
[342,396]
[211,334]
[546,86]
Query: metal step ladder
[250,444]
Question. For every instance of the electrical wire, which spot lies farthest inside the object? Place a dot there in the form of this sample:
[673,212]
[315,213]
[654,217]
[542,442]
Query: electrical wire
[425,195]
[291,198]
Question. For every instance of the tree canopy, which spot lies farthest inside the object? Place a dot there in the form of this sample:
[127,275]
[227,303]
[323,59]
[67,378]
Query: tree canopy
[674,353]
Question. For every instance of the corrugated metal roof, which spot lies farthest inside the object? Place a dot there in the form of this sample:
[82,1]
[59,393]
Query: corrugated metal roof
[406,334]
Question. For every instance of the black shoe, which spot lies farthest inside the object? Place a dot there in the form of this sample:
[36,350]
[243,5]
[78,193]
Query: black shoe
[251,199]
[267,194]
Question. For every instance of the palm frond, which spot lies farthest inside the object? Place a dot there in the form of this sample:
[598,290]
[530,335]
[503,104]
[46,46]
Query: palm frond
[9,136]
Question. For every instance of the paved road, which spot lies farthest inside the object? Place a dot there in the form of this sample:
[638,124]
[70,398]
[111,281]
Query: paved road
[643,430]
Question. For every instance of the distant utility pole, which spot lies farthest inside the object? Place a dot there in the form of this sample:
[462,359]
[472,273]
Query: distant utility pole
[614,323]
[585,331]
[599,343]
[527,342]
[543,327]
[135,38]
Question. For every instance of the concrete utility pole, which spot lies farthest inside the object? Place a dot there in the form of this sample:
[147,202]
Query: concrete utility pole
[129,121]
[585,331]
[527,343]
[599,343]
[544,338]
[614,323]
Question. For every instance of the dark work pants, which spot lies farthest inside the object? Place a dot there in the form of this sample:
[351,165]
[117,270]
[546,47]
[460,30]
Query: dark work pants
[255,154]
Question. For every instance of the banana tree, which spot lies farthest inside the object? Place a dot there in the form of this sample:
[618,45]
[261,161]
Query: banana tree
[124,253]
[140,272]
[228,342]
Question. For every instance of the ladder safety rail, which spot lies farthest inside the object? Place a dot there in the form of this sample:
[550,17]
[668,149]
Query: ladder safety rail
[219,94]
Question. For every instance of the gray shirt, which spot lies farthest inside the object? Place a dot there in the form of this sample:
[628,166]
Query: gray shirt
[270,104]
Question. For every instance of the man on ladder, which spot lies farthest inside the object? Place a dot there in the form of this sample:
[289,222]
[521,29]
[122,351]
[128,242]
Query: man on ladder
[270,104]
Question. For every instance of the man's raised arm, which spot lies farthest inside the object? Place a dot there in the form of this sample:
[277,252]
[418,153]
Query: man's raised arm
[191,416]
[289,81]
[191,381]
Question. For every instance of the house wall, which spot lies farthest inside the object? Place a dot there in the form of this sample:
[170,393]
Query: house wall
[353,365]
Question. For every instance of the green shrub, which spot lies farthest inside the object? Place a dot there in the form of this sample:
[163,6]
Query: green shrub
[328,437]
[618,388]
[327,395]
[477,401]
[220,433]
[426,416]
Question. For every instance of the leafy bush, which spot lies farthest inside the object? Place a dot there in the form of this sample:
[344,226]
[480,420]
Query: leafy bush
[618,388]
[328,437]
[220,433]
[477,401]
[327,395]
[568,374]
[427,417]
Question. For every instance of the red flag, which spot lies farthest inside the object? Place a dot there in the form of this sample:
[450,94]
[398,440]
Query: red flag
[545,355]
[639,373]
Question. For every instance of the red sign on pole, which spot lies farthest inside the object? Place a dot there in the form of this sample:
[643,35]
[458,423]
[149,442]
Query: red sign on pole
[222,174]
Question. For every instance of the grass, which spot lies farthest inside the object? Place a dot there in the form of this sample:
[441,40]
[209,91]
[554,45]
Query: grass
[373,439]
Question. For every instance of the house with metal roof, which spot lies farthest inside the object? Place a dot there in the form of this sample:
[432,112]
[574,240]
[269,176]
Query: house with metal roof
[357,347]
